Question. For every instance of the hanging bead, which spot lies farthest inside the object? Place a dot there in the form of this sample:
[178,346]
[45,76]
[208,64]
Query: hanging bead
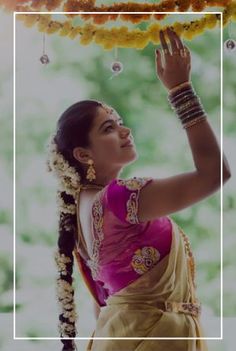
[44,59]
[116,67]
[230,45]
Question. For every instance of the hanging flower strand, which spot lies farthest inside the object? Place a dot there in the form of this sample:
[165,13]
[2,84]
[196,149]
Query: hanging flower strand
[164,6]
[90,6]
[122,36]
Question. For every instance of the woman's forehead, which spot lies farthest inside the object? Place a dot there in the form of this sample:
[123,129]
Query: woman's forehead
[107,112]
[104,114]
[107,108]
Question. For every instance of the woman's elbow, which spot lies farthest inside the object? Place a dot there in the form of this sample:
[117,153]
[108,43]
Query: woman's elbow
[226,170]
[226,175]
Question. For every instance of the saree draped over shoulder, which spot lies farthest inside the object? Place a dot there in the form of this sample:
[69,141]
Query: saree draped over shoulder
[159,301]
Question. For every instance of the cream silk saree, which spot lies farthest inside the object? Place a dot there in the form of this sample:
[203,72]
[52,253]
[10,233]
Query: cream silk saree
[160,303]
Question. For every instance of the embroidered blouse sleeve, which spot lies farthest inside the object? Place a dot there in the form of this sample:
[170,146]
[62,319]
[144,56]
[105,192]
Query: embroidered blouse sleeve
[123,197]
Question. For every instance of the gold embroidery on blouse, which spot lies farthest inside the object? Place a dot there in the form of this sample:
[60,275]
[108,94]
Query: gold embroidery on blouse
[132,203]
[135,183]
[97,213]
[132,209]
[144,259]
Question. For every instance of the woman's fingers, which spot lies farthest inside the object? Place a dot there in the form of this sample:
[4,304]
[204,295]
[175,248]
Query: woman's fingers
[186,49]
[173,67]
[164,44]
[176,43]
[159,66]
[178,40]
[173,41]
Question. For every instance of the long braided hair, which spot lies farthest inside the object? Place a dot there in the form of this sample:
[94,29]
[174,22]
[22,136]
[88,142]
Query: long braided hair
[72,131]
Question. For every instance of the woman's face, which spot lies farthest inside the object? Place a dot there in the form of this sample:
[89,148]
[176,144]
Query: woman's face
[111,143]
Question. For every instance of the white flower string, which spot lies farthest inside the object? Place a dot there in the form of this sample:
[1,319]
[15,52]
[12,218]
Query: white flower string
[65,208]
[61,261]
[65,329]
[69,182]
[68,177]
[67,307]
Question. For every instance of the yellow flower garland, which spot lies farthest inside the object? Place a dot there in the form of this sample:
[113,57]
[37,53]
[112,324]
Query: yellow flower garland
[89,6]
[122,36]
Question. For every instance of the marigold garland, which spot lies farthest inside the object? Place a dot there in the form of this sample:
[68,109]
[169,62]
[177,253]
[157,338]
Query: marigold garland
[164,6]
[89,6]
[122,36]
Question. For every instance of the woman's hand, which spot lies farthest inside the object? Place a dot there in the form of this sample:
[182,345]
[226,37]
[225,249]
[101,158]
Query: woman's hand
[177,63]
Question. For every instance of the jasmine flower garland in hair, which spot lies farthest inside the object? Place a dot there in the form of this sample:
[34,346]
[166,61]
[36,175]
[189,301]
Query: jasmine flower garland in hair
[65,208]
[67,307]
[69,179]
[61,261]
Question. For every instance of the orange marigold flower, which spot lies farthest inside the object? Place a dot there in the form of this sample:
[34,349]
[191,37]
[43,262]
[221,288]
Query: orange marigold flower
[198,5]
[183,5]
[159,16]
[113,17]
[53,4]
[37,5]
[100,19]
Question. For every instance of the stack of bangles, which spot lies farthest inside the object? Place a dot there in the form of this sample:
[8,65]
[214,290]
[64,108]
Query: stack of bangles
[186,105]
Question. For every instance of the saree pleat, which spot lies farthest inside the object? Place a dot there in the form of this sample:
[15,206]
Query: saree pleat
[137,310]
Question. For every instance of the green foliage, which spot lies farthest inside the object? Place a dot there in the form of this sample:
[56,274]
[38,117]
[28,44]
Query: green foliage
[5,217]
[6,274]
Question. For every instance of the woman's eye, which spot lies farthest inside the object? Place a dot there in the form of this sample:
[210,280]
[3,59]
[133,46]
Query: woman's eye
[108,128]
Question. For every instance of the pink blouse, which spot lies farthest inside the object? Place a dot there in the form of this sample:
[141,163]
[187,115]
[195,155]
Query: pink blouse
[124,248]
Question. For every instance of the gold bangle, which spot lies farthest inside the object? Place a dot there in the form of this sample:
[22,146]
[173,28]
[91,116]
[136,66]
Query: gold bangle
[190,103]
[194,121]
[177,87]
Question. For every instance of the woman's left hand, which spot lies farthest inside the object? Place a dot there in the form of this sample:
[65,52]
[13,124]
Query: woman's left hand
[177,63]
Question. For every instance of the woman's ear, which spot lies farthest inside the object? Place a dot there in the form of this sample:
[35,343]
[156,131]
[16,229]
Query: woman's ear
[81,154]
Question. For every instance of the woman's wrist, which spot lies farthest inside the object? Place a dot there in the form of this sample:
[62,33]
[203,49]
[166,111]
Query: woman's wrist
[179,86]
[187,106]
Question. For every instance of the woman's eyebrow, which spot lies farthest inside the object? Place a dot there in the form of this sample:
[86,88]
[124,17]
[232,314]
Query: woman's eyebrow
[110,120]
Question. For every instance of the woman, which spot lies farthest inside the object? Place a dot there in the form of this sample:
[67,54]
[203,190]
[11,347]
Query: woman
[136,261]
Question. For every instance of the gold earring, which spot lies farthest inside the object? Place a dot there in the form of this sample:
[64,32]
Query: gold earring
[91,175]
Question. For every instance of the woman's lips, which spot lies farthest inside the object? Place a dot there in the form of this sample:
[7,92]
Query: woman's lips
[128,144]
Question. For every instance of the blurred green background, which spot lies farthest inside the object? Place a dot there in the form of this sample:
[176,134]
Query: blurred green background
[42,94]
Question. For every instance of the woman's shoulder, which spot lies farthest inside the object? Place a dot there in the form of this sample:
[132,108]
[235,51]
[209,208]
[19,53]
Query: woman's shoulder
[118,186]
[131,184]
[121,197]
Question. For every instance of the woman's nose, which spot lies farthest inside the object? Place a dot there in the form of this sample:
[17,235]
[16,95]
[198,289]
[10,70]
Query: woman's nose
[125,130]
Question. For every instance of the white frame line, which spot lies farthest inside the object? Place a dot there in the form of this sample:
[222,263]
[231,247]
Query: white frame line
[14,179]
[221,177]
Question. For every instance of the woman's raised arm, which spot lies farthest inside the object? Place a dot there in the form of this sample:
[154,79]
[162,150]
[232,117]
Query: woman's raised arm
[165,196]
